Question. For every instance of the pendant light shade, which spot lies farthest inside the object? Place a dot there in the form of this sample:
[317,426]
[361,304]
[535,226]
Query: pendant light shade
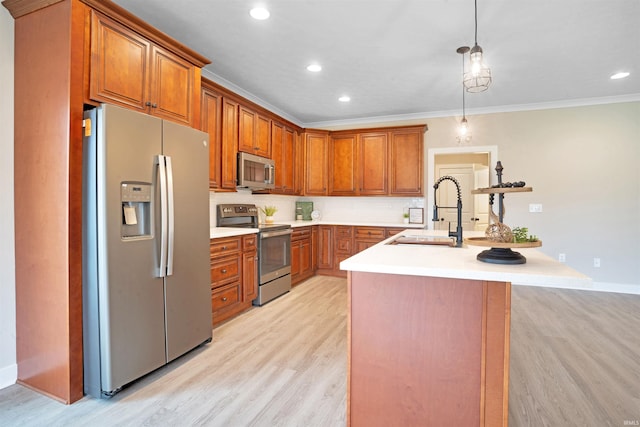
[478,78]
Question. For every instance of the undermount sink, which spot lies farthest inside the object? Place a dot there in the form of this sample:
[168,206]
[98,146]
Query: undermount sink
[422,240]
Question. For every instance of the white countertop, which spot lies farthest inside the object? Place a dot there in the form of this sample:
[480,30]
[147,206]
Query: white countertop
[461,263]
[216,232]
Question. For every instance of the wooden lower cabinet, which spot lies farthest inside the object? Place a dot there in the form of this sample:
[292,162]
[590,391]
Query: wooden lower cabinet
[427,351]
[336,243]
[234,272]
[365,237]
[250,267]
[302,266]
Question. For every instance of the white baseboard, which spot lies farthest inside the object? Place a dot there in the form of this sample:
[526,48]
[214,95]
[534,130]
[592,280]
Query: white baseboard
[8,375]
[621,288]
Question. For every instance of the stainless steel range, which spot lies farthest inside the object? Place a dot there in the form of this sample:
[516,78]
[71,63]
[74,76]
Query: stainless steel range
[274,249]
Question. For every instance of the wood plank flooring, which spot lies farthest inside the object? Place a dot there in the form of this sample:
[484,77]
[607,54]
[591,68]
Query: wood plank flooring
[575,361]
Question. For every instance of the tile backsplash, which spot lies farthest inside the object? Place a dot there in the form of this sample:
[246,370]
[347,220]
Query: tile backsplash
[361,209]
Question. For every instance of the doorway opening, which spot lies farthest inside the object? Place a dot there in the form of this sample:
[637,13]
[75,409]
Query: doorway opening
[471,166]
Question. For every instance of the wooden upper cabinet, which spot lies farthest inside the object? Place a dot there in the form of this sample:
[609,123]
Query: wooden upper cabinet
[283,152]
[210,122]
[254,133]
[128,70]
[229,144]
[358,164]
[406,161]
[173,84]
[316,162]
[343,165]
[373,152]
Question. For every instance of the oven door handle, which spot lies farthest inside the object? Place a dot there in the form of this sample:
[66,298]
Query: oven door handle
[266,234]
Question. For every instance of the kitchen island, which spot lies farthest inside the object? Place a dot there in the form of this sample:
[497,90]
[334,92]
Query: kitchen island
[428,332]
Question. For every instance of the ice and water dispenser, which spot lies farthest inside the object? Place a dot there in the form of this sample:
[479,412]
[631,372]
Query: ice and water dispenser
[136,209]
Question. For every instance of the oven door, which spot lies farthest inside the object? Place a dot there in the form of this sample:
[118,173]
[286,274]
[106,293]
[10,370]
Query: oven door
[274,254]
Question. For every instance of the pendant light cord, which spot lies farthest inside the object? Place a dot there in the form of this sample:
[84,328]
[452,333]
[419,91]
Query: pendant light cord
[475,6]
[463,114]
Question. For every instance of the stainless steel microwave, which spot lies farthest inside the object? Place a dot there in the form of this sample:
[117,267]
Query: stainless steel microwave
[255,172]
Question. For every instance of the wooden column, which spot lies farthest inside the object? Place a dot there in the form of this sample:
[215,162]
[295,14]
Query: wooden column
[49,47]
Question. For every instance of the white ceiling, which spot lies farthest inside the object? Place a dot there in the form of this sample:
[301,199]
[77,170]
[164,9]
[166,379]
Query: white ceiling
[397,59]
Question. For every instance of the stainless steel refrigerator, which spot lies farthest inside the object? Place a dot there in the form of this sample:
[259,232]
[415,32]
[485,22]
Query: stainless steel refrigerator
[146,280]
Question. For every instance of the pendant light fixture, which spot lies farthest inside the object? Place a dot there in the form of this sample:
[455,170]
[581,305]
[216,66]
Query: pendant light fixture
[478,78]
[463,130]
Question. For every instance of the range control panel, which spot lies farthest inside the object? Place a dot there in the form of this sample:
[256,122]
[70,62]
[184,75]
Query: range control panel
[226,211]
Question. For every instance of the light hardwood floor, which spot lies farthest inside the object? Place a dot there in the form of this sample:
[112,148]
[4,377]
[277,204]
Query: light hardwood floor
[575,361]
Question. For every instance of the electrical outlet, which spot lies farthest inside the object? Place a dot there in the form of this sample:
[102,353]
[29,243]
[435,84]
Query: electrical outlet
[535,207]
[596,262]
[562,258]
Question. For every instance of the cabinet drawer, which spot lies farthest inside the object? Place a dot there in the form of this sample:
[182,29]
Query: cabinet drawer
[225,297]
[393,231]
[301,233]
[373,233]
[343,231]
[223,247]
[249,243]
[225,270]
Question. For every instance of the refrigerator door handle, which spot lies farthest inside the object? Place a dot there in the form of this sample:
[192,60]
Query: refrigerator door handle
[170,217]
[162,172]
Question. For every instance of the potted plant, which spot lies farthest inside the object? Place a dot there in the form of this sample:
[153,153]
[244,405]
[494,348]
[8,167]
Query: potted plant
[406,217]
[268,212]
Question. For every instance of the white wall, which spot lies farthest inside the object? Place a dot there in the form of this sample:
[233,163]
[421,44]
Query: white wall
[583,165]
[8,367]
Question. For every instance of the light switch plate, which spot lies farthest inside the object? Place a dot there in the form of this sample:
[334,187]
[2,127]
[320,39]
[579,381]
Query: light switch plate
[535,207]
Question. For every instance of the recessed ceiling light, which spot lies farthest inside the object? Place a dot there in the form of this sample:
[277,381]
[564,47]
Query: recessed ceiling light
[314,68]
[259,13]
[344,98]
[620,75]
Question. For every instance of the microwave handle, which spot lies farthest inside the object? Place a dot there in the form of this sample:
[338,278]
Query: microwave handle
[268,173]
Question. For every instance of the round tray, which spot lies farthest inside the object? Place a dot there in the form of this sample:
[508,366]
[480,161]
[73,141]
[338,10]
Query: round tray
[483,241]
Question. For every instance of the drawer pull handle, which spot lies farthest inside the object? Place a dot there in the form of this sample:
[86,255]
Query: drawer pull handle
[224,248]
[224,299]
[224,271]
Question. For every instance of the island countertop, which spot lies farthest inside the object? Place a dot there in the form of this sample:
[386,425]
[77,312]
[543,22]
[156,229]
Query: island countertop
[461,263]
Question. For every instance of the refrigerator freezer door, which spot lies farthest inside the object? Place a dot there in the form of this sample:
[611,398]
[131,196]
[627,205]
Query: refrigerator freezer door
[188,287]
[131,301]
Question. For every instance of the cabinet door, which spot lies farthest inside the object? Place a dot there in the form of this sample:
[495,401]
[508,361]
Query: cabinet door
[173,83]
[263,136]
[119,64]
[288,154]
[246,130]
[250,275]
[325,247]
[314,248]
[406,162]
[306,269]
[316,164]
[282,152]
[229,148]
[211,123]
[295,261]
[343,168]
[372,160]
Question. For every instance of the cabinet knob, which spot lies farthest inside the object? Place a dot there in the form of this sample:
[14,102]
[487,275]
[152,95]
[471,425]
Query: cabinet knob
[224,271]
[224,299]
[148,103]
[224,248]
